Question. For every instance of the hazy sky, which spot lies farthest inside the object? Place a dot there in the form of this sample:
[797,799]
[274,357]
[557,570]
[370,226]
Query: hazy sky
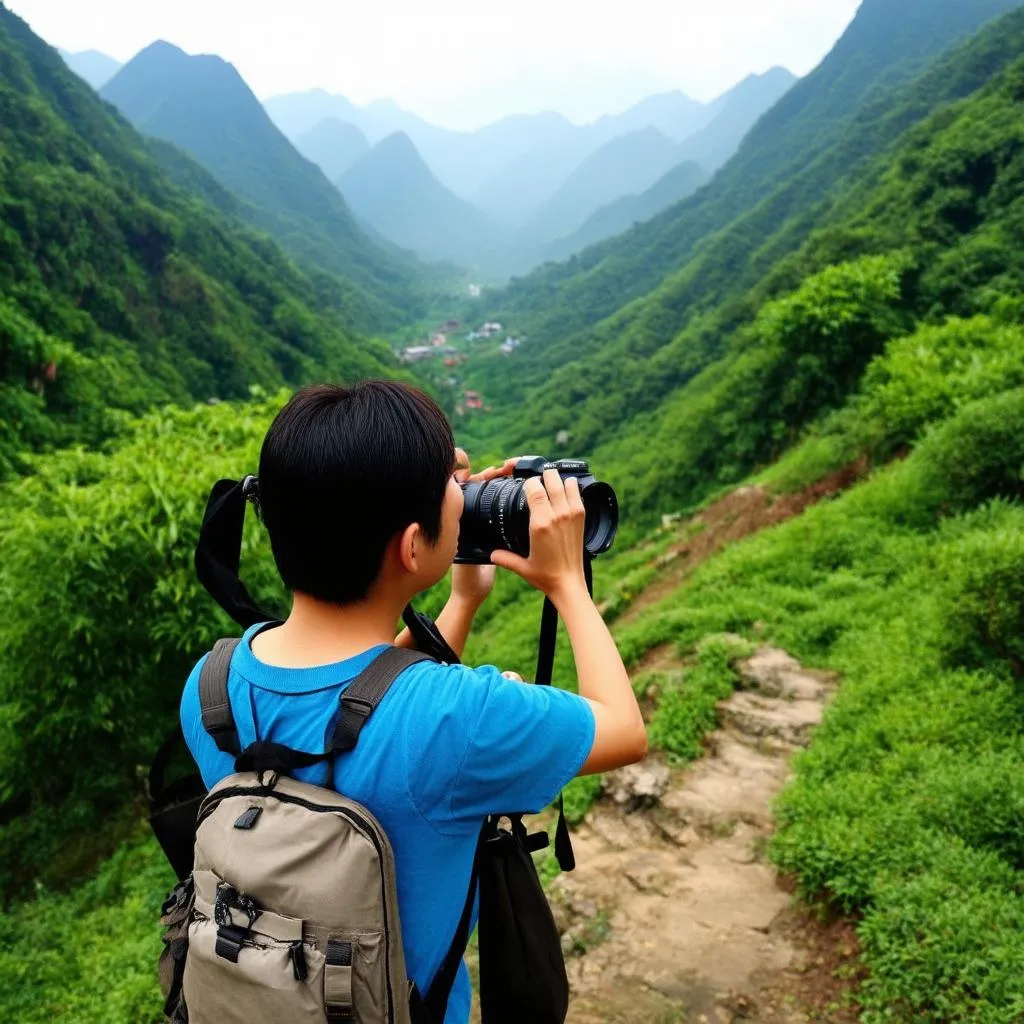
[465,62]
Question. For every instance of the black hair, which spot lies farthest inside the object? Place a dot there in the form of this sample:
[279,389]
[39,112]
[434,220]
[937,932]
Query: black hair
[342,471]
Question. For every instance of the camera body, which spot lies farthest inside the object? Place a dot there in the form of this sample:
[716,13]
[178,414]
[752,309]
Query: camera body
[497,515]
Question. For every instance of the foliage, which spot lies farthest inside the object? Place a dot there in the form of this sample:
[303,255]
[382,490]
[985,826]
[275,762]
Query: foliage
[203,105]
[96,557]
[90,955]
[611,384]
[122,289]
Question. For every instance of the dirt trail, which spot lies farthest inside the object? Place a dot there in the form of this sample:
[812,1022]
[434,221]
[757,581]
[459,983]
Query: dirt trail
[673,914]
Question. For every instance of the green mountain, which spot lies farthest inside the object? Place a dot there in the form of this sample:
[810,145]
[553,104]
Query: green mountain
[768,334]
[95,67]
[625,166]
[334,146]
[393,190]
[118,291]
[683,180]
[202,105]
[886,45]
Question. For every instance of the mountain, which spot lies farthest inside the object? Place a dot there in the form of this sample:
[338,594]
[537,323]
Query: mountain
[739,112]
[673,113]
[509,168]
[118,290]
[683,180]
[621,367]
[95,67]
[334,146]
[626,165]
[885,46]
[202,105]
[393,190]
[697,156]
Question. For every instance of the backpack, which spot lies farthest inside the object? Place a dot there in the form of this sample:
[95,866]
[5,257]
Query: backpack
[290,912]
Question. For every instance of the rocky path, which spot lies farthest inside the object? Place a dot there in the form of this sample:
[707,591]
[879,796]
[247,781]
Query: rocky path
[673,914]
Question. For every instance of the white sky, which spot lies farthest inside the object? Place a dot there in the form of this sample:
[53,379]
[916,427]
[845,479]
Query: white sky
[463,63]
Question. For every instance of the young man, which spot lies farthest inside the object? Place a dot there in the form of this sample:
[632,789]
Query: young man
[360,495]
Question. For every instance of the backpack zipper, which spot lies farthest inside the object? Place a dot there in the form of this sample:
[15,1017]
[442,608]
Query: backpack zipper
[364,827]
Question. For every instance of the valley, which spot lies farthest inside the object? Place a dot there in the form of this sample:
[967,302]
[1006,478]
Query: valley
[786,324]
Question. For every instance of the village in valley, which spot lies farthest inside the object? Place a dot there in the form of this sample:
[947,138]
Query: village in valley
[451,347]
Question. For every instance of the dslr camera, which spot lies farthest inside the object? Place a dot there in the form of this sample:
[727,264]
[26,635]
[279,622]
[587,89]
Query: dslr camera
[497,516]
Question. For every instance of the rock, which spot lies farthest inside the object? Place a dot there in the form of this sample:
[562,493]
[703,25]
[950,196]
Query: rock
[638,785]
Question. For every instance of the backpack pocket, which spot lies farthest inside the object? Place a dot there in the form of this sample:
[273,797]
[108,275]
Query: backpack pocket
[257,978]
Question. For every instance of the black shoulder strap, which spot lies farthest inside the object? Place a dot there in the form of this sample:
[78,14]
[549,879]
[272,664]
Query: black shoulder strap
[218,720]
[360,698]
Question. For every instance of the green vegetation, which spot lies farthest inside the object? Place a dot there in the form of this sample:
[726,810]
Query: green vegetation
[596,363]
[202,105]
[119,292]
[941,210]
[865,309]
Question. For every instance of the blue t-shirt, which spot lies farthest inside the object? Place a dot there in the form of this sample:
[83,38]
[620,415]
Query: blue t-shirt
[447,746]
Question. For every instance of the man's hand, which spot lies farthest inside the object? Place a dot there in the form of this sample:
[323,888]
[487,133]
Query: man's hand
[557,518]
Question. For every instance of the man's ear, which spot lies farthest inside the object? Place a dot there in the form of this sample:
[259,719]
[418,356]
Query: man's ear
[410,547]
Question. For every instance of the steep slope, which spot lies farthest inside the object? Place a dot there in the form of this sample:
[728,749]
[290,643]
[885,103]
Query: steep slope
[885,46]
[932,227]
[740,111]
[95,67]
[683,180]
[202,105]
[334,146]
[625,166]
[393,190]
[121,292]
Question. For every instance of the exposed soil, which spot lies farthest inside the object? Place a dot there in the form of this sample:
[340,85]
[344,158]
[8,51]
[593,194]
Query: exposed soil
[743,512]
[673,913]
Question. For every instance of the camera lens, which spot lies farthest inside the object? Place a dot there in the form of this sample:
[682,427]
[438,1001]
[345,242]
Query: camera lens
[497,517]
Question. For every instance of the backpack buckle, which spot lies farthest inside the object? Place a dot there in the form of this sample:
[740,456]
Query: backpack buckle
[229,941]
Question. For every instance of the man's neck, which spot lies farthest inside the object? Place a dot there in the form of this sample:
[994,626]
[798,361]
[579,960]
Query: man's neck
[318,633]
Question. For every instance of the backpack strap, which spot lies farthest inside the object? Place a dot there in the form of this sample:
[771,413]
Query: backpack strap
[218,720]
[360,698]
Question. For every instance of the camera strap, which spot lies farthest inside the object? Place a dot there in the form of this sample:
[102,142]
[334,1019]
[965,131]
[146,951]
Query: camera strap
[545,669]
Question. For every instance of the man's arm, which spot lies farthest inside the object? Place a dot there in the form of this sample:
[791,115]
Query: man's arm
[555,567]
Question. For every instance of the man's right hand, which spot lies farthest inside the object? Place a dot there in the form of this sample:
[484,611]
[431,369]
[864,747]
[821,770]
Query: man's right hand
[557,518]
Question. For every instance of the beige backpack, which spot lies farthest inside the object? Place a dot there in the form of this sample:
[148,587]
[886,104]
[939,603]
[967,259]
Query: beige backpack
[291,913]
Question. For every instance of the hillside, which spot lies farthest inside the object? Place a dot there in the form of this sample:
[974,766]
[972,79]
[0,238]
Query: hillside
[886,45]
[120,292]
[625,166]
[932,228]
[95,67]
[683,180]
[740,111]
[393,190]
[202,105]
[707,292]
[334,146]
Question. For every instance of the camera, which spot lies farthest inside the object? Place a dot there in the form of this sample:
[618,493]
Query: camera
[497,516]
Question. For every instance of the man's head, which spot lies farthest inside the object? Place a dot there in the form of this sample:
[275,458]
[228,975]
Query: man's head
[355,483]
